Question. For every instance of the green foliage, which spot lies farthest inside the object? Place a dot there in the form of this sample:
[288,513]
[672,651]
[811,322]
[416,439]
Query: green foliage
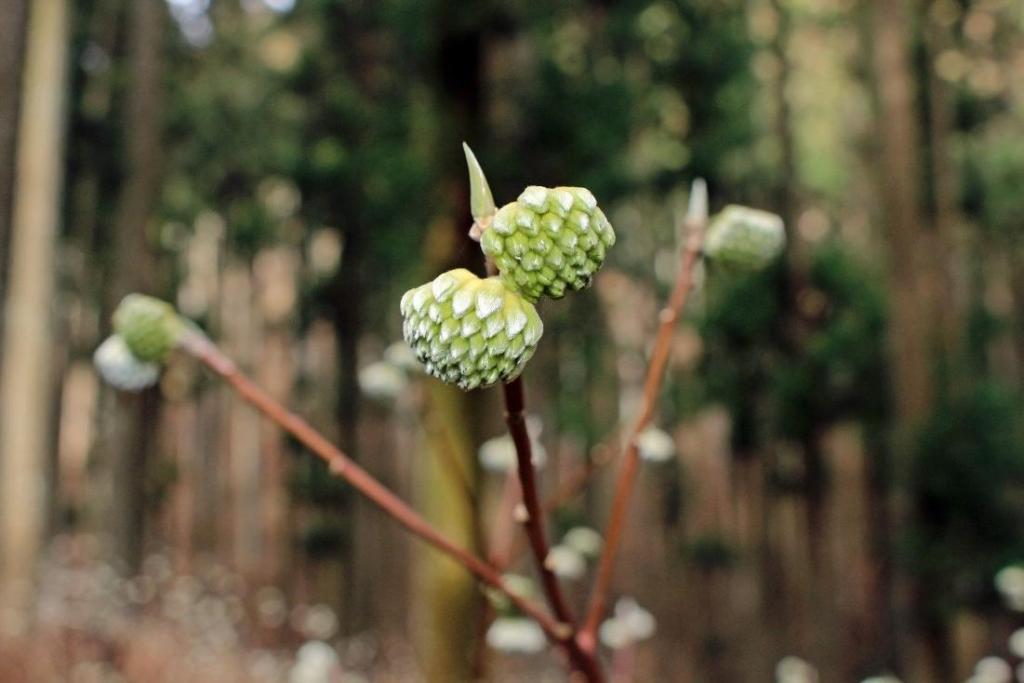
[993,178]
[741,328]
[839,369]
[789,352]
[968,486]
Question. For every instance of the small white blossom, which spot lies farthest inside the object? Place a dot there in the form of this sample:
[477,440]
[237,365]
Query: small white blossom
[565,562]
[499,454]
[1009,582]
[584,540]
[614,634]
[992,670]
[655,445]
[382,381]
[516,635]
[402,357]
[315,662]
[319,622]
[795,670]
[640,622]
[121,369]
[1016,643]
[629,624]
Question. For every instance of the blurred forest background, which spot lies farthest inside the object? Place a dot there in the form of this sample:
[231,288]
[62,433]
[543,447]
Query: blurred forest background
[846,479]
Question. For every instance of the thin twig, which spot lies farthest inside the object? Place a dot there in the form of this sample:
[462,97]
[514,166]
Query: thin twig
[515,404]
[506,549]
[534,521]
[199,346]
[515,418]
[652,385]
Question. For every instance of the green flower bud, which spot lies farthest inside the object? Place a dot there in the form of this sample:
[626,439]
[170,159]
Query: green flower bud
[549,242]
[470,332]
[744,239]
[150,327]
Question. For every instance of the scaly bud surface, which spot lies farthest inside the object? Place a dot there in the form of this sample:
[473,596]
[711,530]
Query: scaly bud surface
[468,331]
[550,241]
[150,327]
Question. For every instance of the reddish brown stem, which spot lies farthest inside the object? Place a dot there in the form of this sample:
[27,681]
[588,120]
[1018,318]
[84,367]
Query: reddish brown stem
[506,549]
[534,522]
[515,405]
[340,465]
[627,474]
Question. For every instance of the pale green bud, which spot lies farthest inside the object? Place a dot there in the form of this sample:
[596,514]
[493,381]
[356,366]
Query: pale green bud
[470,332]
[744,239]
[150,327]
[550,241]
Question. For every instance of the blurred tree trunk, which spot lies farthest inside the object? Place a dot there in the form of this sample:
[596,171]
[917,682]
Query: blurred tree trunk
[444,613]
[346,292]
[25,401]
[915,337]
[788,177]
[11,43]
[948,274]
[899,139]
[130,418]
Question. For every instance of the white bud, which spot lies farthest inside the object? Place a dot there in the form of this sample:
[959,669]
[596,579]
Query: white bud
[499,454]
[382,381]
[655,445]
[795,670]
[516,635]
[565,562]
[584,540]
[992,670]
[121,369]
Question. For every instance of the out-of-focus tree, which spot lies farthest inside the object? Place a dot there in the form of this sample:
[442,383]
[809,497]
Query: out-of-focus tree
[12,40]
[28,341]
[127,448]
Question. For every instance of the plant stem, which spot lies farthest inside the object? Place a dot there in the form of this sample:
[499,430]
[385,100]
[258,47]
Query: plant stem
[534,522]
[515,408]
[199,346]
[652,386]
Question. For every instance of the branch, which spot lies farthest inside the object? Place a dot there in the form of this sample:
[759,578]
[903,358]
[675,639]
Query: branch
[199,346]
[583,661]
[506,549]
[483,210]
[534,522]
[695,223]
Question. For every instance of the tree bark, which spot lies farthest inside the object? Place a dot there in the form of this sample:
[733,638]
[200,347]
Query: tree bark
[899,139]
[11,44]
[131,418]
[914,332]
[447,597]
[25,401]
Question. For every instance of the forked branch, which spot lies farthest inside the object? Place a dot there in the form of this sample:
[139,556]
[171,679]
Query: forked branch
[199,346]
